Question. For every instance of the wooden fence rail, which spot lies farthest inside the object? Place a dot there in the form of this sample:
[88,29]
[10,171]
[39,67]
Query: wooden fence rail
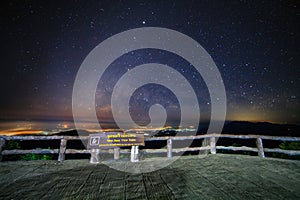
[169,150]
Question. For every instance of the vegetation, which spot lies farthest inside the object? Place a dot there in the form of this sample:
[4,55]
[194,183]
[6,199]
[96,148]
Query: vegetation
[11,144]
[31,156]
[290,145]
[287,146]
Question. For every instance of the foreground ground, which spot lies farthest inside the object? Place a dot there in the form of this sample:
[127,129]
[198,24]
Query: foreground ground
[213,177]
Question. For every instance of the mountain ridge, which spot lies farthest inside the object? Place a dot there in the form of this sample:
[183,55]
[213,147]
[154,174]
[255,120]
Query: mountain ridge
[231,127]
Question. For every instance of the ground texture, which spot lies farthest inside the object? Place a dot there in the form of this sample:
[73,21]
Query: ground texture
[212,177]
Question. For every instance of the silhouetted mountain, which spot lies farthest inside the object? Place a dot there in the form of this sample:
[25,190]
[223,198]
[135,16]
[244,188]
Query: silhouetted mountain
[165,133]
[261,128]
[72,133]
[233,127]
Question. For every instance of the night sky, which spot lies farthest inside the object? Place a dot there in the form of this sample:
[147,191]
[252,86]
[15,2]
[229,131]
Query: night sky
[255,45]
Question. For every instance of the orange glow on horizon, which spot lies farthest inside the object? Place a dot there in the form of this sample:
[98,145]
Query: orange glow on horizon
[254,116]
[20,132]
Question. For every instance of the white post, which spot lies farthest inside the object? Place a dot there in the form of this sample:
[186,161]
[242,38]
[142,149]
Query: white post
[169,148]
[62,150]
[134,154]
[260,147]
[213,149]
[95,156]
[117,153]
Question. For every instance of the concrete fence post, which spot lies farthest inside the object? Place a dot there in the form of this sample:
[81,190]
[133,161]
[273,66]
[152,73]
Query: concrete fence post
[95,156]
[169,148]
[62,150]
[260,147]
[117,153]
[134,154]
[213,149]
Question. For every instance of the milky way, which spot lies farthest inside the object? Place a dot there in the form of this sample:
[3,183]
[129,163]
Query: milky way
[253,43]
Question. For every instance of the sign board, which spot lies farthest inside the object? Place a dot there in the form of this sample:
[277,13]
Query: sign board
[115,139]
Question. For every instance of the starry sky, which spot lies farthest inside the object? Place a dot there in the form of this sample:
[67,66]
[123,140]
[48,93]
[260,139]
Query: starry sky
[255,45]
